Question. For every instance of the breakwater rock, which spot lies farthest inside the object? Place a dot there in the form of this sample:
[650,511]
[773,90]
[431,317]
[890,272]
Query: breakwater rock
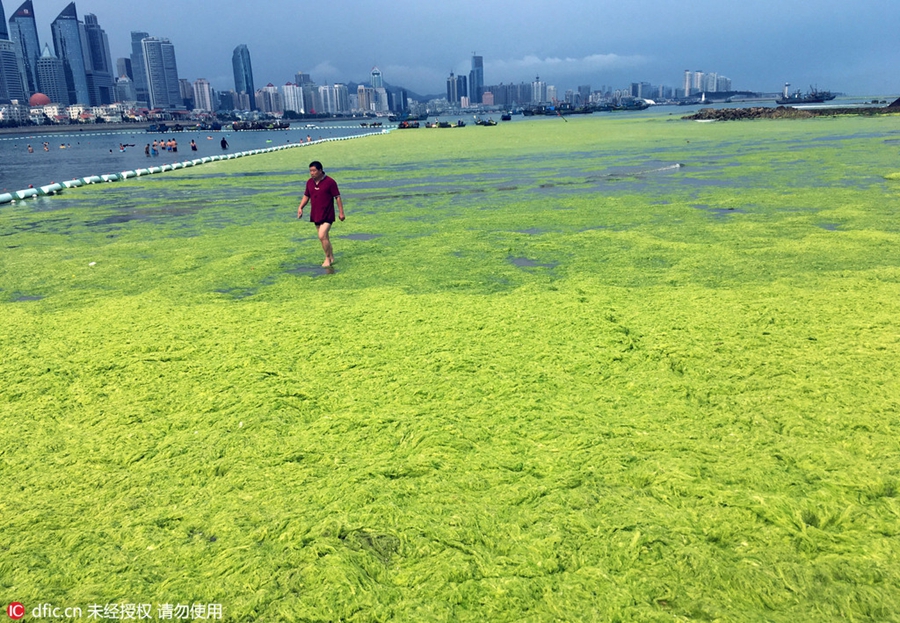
[782,112]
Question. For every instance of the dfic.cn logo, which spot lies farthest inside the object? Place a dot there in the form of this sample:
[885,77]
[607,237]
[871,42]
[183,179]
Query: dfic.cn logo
[15,610]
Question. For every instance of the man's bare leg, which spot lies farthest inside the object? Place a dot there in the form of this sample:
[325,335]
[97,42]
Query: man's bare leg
[326,244]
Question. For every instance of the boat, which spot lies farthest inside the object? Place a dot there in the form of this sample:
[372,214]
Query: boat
[258,125]
[506,117]
[636,104]
[407,125]
[483,122]
[813,96]
[408,117]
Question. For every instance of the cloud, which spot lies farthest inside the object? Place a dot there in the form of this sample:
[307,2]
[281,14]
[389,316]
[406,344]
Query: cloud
[325,72]
[555,67]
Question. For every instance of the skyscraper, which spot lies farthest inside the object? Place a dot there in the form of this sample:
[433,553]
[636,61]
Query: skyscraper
[377,80]
[67,43]
[52,77]
[243,71]
[476,80]
[11,70]
[23,32]
[461,88]
[11,87]
[452,93]
[99,62]
[162,73]
[137,66]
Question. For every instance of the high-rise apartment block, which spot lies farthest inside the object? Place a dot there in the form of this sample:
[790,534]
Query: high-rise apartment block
[203,95]
[162,73]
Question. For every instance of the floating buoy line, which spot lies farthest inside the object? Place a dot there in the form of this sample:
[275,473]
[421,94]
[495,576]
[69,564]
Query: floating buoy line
[57,187]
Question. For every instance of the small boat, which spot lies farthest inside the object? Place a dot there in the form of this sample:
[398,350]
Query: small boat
[506,117]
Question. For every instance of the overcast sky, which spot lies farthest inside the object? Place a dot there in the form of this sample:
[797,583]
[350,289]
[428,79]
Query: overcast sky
[851,47]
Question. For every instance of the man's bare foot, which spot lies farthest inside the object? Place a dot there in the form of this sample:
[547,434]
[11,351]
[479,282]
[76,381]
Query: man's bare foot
[326,263]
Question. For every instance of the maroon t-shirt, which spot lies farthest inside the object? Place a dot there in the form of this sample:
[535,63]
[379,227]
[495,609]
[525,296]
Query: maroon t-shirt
[321,199]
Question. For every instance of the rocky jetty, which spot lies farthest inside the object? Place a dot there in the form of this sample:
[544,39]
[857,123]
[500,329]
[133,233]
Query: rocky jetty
[785,112]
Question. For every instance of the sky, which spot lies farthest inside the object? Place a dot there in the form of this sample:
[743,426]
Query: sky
[841,46]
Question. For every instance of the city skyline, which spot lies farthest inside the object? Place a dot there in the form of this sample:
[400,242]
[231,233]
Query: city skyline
[760,47]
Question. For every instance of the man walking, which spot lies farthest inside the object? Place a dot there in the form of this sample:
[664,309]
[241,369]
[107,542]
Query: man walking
[321,191]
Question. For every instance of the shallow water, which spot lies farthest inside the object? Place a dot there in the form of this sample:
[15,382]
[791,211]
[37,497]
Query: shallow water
[97,153]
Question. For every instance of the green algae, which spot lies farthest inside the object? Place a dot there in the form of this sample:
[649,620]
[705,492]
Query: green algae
[547,380]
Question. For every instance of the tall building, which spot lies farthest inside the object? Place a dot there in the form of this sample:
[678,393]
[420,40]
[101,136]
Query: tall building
[377,81]
[342,98]
[476,80]
[461,89]
[23,32]
[538,91]
[365,97]
[302,79]
[456,89]
[268,99]
[311,100]
[66,32]
[452,93]
[698,82]
[203,95]
[292,95]
[123,68]
[11,85]
[137,66]
[187,93]
[329,103]
[125,89]
[162,73]
[243,71]
[52,77]
[98,65]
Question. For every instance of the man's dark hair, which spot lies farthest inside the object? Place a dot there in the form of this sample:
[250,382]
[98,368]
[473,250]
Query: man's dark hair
[317,164]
